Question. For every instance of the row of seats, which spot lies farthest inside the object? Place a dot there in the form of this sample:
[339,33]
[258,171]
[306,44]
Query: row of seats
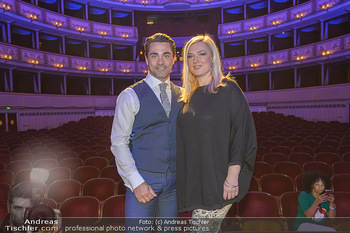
[343,151]
[71,163]
[84,154]
[293,169]
[264,206]
[83,206]
[75,143]
[60,190]
[276,184]
[254,205]
[80,173]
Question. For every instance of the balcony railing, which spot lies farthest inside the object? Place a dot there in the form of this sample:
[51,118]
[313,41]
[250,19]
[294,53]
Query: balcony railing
[329,49]
[279,19]
[320,51]
[28,12]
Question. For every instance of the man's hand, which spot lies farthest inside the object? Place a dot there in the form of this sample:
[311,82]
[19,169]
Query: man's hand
[144,193]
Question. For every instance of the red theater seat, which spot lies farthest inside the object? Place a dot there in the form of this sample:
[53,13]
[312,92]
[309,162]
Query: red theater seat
[85,173]
[289,203]
[343,149]
[261,168]
[110,172]
[254,184]
[106,154]
[6,176]
[258,204]
[288,168]
[3,209]
[18,165]
[60,190]
[58,173]
[341,182]
[98,148]
[101,188]
[300,157]
[341,167]
[327,157]
[98,162]
[84,155]
[66,154]
[46,163]
[80,207]
[318,166]
[305,149]
[289,144]
[5,158]
[342,200]
[324,148]
[71,163]
[276,184]
[4,189]
[281,149]
[114,207]
[273,157]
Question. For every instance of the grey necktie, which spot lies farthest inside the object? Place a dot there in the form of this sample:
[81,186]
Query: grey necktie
[164,98]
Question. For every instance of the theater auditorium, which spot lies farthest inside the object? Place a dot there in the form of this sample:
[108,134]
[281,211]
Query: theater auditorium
[63,64]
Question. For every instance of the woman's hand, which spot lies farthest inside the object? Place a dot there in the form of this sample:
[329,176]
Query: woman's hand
[321,199]
[230,190]
[330,198]
[231,186]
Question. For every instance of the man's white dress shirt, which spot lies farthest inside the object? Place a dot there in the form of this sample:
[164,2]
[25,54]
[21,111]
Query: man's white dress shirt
[127,107]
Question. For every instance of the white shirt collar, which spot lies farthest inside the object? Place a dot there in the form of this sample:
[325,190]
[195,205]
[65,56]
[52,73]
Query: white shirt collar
[153,82]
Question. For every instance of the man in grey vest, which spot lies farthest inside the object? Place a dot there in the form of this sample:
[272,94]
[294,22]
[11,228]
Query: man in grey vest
[144,138]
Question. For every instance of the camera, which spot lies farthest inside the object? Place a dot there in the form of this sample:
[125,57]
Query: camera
[41,215]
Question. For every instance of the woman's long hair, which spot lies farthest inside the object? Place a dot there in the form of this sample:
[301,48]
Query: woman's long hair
[190,82]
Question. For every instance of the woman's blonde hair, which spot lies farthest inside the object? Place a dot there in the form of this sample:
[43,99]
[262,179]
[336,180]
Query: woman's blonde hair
[190,83]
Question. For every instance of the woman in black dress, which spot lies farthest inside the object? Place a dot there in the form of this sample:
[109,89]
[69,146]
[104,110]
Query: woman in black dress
[216,138]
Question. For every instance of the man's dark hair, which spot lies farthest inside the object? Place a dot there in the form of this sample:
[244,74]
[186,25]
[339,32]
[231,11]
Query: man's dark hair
[310,178]
[159,37]
[31,190]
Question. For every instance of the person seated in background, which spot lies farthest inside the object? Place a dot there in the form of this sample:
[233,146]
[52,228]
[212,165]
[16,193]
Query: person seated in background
[314,204]
[26,213]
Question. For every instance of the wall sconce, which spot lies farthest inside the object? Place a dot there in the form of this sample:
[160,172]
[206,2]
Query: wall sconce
[208,1]
[230,32]
[58,24]
[34,62]
[82,68]
[300,58]
[6,57]
[276,22]
[104,70]
[103,33]
[32,16]
[145,71]
[59,65]
[81,29]
[253,28]
[299,15]
[324,53]
[126,70]
[276,62]
[325,6]
[231,67]
[254,65]
[124,1]
[125,36]
[144,2]
[5,6]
